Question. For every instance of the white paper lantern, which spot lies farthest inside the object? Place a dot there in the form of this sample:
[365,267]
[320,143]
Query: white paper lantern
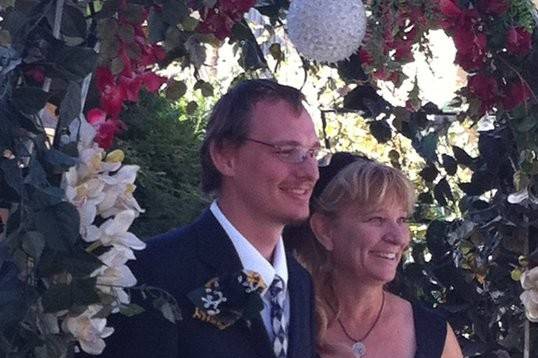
[326,30]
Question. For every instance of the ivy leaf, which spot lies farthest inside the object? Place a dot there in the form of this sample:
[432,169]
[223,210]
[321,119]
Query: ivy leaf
[350,70]
[73,63]
[191,108]
[157,26]
[381,131]
[175,90]
[174,11]
[130,310]
[442,192]
[450,164]
[33,243]
[73,21]
[205,87]
[463,158]
[427,146]
[81,292]
[60,226]
[59,160]
[364,98]
[71,105]
[429,172]
[30,100]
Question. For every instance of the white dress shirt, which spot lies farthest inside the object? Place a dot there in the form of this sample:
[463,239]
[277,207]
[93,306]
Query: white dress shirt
[252,260]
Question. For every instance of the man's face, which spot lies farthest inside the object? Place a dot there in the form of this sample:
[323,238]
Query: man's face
[265,186]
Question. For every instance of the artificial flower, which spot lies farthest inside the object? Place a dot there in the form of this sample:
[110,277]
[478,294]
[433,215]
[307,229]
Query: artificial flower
[484,87]
[224,300]
[518,41]
[114,231]
[88,330]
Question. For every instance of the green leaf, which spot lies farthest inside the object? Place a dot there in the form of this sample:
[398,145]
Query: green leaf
[191,108]
[60,224]
[131,309]
[116,66]
[80,263]
[205,87]
[189,24]
[157,27]
[174,11]
[73,21]
[74,63]
[71,105]
[175,90]
[12,174]
[381,131]
[126,33]
[59,159]
[427,146]
[30,100]
[77,293]
[167,309]
[33,244]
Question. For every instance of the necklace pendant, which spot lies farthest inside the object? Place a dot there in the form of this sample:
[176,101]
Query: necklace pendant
[359,349]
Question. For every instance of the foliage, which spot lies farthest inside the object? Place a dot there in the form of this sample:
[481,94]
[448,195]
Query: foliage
[164,141]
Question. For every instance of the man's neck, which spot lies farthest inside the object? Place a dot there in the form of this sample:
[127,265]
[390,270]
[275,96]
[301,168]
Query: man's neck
[263,235]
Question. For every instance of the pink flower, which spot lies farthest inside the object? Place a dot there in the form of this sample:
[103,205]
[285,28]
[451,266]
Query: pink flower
[365,57]
[106,128]
[518,41]
[151,81]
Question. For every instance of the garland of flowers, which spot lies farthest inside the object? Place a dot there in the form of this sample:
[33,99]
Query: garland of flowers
[101,187]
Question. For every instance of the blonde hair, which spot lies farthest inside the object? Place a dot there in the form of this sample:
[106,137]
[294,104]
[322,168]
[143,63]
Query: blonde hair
[363,183]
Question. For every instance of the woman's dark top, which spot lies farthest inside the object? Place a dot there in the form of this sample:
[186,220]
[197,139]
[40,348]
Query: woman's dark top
[430,332]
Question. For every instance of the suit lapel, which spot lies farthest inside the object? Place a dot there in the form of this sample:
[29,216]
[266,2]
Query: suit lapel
[215,249]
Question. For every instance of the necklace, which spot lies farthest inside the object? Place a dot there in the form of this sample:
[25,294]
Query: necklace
[359,348]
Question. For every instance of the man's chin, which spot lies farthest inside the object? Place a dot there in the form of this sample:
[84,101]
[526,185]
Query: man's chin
[297,219]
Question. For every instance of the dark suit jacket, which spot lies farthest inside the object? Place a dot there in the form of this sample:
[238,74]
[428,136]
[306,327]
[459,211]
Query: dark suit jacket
[182,260]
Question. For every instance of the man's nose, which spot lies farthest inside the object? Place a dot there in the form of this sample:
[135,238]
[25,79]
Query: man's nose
[309,168]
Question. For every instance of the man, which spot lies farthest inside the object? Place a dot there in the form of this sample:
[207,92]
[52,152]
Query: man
[258,158]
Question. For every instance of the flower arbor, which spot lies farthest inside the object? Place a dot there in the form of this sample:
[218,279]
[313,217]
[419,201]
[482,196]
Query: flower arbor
[69,198]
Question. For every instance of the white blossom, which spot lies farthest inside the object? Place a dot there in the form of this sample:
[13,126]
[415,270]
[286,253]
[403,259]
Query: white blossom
[88,330]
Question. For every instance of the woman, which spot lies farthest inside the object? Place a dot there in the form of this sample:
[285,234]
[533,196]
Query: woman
[359,226]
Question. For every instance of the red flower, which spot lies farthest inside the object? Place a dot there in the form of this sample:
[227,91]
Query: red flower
[36,73]
[131,86]
[106,130]
[518,41]
[151,81]
[516,93]
[404,51]
[493,7]
[449,9]
[471,49]
[484,87]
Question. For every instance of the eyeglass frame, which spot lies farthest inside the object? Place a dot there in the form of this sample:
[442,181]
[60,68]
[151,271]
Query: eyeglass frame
[305,152]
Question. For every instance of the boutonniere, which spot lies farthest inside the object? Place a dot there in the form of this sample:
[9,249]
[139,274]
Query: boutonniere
[224,300]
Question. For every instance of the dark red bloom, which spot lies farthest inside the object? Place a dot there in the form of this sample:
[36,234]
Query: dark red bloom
[493,7]
[518,41]
[106,129]
[515,94]
[220,19]
[152,81]
[36,73]
[449,8]
[485,88]
[471,49]
[404,51]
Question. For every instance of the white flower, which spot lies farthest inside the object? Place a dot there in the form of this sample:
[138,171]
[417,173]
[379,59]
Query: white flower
[119,192]
[529,279]
[326,30]
[114,231]
[530,301]
[88,331]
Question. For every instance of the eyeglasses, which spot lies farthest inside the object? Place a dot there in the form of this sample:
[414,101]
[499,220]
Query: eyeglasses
[294,154]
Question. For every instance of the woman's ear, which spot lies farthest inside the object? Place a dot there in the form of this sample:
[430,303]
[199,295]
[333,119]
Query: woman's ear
[321,227]
[223,157]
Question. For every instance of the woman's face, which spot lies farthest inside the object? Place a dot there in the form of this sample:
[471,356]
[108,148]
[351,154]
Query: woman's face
[368,242]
